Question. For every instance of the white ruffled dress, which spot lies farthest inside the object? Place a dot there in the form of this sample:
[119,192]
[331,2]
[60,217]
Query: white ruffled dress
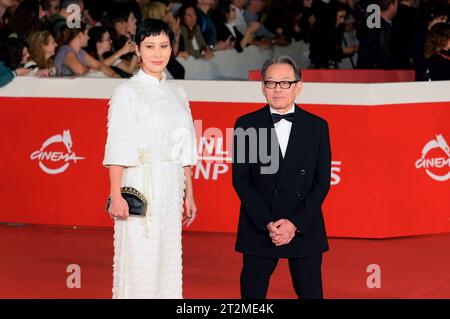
[151,133]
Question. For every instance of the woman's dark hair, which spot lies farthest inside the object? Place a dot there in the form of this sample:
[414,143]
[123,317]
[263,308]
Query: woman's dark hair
[95,36]
[333,9]
[219,14]
[152,27]
[25,19]
[11,52]
[68,34]
[118,12]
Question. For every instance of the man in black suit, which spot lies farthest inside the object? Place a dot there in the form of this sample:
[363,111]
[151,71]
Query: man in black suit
[281,173]
[376,44]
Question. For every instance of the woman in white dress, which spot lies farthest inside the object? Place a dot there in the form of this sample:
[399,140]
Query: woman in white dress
[151,147]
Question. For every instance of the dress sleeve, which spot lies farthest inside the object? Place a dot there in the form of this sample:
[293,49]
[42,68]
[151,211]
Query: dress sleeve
[122,147]
[189,156]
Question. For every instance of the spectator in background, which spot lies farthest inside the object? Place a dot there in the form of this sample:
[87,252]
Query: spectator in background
[241,25]
[51,8]
[205,20]
[263,37]
[206,23]
[60,20]
[7,75]
[298,26]
[91,14]
[437,52]
[71,59]
[42,52]
[431,17]
[376,45]
[27,19]
[100,48]
[307,20]
[326,38]
[277,20]
[131,25]
[227,30]
[4,5]
[162,10]
[14,52]
[405,24]
[13,55]
[136,8]
[351,23]
[175,26]
[121,24]
[196,46]
[154,10]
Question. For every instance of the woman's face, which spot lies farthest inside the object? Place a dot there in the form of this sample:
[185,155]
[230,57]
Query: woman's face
[49,48]
[25,55]
[105,43]
[155,53]
[131,24]
[84,38]
[190,18]
[121,27]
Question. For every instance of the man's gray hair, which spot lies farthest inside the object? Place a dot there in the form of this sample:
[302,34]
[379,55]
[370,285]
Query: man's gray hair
[284,59]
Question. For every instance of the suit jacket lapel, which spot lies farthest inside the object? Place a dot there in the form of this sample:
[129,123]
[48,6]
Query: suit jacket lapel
[298,140]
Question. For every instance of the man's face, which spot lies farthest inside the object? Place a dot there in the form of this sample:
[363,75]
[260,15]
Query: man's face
[54,7]
[279,98]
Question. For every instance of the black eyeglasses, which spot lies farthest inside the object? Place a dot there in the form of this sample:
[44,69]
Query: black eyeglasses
[283,84]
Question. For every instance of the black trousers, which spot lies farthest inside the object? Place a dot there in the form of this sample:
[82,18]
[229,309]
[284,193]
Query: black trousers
[305,274]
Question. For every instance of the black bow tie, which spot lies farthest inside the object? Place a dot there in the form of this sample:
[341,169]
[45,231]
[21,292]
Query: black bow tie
[278,117]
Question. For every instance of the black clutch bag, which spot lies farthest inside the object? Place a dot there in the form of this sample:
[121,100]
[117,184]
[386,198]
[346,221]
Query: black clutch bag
[137,203]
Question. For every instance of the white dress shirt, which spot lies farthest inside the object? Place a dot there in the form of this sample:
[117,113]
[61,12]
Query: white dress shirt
[230,27]
[283,129]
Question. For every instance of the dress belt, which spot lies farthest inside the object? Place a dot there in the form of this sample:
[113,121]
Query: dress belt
[148,159]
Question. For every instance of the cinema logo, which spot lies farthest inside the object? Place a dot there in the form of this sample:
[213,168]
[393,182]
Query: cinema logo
[435,159]
[55,154]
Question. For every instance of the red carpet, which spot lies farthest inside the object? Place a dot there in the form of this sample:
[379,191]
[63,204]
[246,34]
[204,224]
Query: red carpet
[34,259]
